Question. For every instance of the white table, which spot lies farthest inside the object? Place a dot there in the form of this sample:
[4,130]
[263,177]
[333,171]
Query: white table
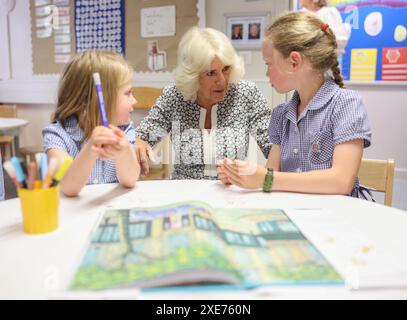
[364,241]
[12,127]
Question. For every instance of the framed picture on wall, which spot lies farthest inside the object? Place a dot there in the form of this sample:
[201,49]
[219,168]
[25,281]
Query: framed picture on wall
[245,30]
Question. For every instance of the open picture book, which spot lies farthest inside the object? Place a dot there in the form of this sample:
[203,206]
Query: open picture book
[191,243]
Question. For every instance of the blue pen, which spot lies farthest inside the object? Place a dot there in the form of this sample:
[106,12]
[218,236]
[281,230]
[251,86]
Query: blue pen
[43,166]
[18,170]
[98,84]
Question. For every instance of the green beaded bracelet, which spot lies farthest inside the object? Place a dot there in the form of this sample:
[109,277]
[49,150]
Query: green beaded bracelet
[268,180]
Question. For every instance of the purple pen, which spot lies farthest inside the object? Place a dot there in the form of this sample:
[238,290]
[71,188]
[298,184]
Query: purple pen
[98,84]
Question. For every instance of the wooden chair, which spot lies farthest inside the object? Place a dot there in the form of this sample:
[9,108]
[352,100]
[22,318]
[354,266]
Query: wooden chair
[146,98]
[7,111]
[378,175]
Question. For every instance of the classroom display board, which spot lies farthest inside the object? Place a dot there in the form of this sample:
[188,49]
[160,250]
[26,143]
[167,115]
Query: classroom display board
[153,31]
[146,32]
[52,34]
[99,25]
[377,48]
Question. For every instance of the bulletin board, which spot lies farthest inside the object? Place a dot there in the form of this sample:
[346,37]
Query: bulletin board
[49,57]
[147,51]
[138,47]
[377,49]
[100,25]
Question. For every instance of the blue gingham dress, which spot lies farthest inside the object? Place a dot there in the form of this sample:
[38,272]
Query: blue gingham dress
[2,195]
[332,117]
[68,139]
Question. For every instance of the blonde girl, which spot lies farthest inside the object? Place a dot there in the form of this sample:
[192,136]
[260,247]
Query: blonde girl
[101,154]
[319,135]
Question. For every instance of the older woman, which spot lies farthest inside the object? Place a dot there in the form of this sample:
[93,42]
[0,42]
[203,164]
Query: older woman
[209,111]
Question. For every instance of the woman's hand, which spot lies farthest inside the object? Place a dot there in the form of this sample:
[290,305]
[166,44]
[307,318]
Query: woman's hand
[144,154]
[244,174]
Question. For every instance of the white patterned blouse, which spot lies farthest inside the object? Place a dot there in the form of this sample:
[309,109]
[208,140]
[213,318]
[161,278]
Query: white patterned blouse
[243,112]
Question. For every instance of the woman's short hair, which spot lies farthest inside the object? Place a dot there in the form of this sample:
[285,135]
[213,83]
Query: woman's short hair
[196,51]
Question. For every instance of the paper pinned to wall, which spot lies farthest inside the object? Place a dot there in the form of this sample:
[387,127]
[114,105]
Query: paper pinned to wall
[44,32]
[64,48]
[62,38]
[43,11]
[50,42]
[158,21]
[63,29]
[52,35]
[39,3]
[43,22]
[156,58]
[62,58]
[61,2]
[186,14]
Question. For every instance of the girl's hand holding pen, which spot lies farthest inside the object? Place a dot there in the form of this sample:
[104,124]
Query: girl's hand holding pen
[109,143]
[113,151]
[102,137]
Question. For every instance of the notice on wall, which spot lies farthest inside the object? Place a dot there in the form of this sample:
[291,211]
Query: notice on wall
[158,22]
[52,20]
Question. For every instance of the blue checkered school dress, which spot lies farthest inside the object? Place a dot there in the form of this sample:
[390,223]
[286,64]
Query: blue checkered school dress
[68,138]
[332,117]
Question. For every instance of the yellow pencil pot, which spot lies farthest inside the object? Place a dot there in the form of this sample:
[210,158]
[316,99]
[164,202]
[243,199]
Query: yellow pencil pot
[40,209]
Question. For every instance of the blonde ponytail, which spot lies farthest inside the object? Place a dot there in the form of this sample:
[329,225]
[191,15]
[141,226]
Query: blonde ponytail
[305,33]
[337,75]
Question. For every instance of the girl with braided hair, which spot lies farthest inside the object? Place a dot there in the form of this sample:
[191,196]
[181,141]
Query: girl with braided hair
[319,135]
